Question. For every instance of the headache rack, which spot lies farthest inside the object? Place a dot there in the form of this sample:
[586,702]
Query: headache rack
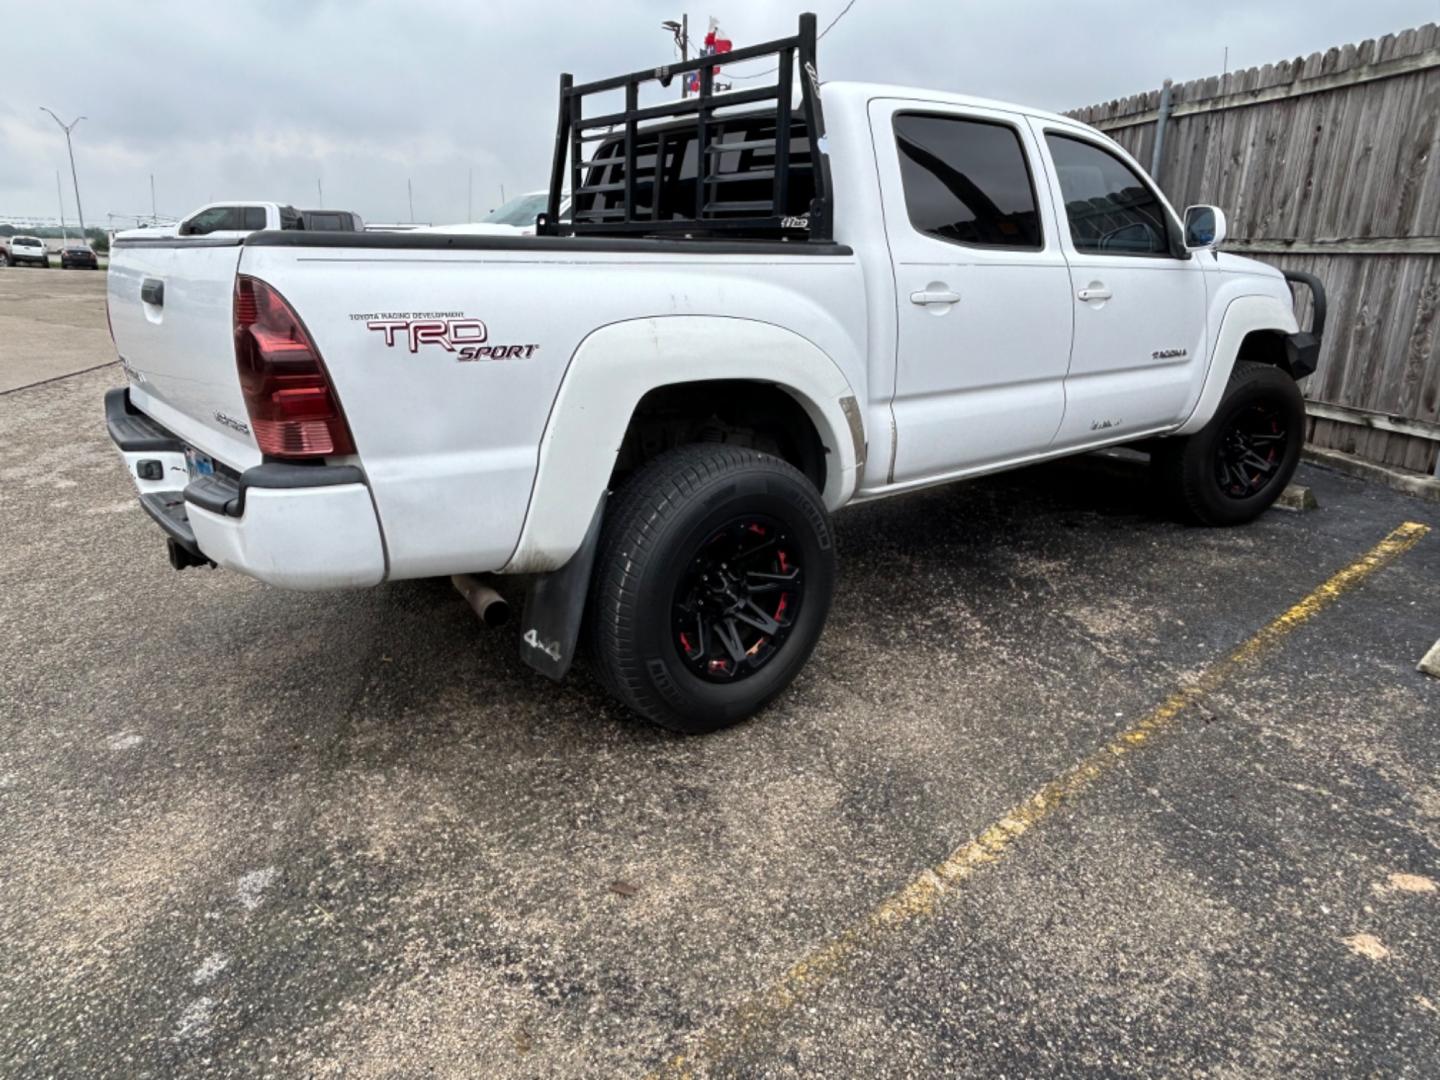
[699,165]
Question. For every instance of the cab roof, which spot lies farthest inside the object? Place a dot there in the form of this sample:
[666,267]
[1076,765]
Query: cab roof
[866,91]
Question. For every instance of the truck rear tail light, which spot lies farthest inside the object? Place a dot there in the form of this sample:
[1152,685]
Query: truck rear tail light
[294,412]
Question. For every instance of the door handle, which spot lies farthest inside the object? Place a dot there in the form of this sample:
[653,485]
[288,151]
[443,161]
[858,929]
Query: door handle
[934,296]
[1095,292]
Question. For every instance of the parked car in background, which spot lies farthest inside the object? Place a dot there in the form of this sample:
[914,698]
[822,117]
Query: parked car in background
[520,211]
[233,220]
[514,218]
[78,253]
[230,219]
[29,250]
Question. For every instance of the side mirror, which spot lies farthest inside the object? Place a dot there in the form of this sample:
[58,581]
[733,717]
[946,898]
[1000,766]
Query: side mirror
[1204,227]
[186,229]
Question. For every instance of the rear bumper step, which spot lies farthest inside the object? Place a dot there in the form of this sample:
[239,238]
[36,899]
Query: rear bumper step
[132,430]
[168,510]
[220,494]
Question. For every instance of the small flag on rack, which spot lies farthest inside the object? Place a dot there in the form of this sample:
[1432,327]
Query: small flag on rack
[715,42]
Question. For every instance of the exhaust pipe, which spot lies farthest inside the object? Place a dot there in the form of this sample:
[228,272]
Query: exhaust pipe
[493,609]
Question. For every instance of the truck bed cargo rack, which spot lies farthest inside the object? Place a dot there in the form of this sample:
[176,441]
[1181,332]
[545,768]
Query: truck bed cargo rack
[758,172]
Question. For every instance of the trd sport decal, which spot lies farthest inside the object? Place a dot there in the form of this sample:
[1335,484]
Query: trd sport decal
[452,331]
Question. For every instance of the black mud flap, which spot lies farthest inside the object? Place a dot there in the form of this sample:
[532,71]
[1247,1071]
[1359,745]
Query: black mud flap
[555,605]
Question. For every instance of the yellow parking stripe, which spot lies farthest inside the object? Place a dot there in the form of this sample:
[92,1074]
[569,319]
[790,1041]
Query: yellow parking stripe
[919,898]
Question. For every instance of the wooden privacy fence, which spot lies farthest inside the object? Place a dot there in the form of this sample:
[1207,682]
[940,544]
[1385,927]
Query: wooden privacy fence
[1330,164]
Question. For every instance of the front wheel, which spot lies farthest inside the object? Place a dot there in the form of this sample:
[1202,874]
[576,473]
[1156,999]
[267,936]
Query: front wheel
[1231,470]
[715,573]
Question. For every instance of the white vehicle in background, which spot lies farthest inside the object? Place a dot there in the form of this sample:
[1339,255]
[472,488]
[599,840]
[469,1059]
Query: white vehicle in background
[28,251]
[521,211]
[222,220]
[650,412]
[230,220]
[513,218]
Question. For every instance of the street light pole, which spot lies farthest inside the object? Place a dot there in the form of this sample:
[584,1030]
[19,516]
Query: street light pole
[67,128]
[60,199]
[681,32]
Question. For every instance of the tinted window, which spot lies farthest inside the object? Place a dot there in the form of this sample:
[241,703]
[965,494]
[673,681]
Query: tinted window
[1111,210]
[217,218]
[967,181]
[254,217]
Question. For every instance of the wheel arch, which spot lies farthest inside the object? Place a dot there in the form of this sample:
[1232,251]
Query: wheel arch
[617,366]
[1252,328]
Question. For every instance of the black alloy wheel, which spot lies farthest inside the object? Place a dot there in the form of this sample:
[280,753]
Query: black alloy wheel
[1250,451]
[738,599]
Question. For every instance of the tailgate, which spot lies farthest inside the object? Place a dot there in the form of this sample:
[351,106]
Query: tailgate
[172,312]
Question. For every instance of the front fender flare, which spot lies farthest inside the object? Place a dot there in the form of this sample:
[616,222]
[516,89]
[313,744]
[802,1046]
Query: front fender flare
[616,365]
[1244,315]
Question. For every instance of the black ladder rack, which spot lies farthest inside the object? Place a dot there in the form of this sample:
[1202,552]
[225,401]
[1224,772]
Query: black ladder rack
[633,182]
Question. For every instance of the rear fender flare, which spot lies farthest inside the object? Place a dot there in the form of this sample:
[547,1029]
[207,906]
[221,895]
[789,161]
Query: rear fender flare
[616,365]
[1244,315]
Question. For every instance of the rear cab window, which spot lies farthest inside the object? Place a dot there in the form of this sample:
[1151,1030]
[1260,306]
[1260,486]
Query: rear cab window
[967,181]
[1110,208]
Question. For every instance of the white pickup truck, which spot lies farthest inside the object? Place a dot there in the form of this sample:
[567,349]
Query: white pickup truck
[651,410]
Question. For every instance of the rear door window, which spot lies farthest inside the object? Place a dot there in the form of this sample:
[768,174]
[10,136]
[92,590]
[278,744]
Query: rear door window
[254,217]
[967,181]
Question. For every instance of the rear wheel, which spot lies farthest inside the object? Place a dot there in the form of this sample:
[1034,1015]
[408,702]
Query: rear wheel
[1231,470]
[715,573]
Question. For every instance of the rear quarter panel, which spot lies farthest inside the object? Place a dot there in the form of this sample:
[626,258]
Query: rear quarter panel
[450,446]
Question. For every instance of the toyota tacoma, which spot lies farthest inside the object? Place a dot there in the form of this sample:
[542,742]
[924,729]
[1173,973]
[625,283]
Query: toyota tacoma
[764,305]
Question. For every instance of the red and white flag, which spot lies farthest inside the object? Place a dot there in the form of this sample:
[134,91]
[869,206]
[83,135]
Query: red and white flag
[715,42]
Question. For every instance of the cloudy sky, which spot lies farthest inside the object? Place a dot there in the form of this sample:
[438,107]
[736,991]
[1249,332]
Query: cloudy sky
[260,100]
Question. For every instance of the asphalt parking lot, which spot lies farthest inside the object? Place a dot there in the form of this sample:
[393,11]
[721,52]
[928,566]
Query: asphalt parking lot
[1066,787]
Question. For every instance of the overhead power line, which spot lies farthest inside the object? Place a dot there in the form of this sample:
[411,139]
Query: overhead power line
[761,74]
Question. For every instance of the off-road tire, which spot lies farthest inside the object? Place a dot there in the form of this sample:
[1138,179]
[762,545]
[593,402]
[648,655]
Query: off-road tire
[1184,469]
[656,524]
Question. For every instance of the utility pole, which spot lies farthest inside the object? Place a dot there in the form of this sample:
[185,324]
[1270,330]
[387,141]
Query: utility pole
[410,194]
[67,128]
[61,200]
[681,32]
